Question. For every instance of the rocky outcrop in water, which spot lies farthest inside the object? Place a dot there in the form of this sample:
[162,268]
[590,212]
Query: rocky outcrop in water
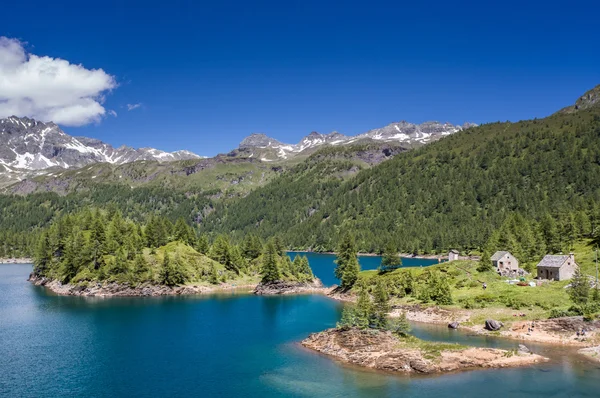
[384,351]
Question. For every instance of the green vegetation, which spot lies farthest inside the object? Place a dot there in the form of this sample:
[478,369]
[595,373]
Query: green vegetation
[431,350]
[462,192]
[347,268]
[95,245]
[459,285]
[390,259]
[270,267]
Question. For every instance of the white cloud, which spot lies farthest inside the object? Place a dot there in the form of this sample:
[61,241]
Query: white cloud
[50,89]
[131,107]
[112,113]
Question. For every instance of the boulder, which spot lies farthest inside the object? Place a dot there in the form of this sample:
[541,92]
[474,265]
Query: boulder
[493,325]
[453,325]
[523,349]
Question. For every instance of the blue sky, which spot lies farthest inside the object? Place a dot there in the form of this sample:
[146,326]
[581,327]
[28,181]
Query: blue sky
[208,74]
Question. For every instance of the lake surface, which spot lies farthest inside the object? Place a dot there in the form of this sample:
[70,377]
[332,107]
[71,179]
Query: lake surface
[323,264]
[227,345]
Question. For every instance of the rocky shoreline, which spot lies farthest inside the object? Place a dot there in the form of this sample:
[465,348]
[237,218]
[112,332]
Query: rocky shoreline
[288,287]
[557,331]
[113,289]
[592,353]
[381,350]
[16,260]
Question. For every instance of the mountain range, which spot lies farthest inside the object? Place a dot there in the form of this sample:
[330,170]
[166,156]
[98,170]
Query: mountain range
[402,133]
[32,145]
[422,194]
[30,148]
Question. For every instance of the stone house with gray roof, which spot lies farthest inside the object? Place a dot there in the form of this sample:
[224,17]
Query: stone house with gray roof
[453,255]
[557,267]
[505,262]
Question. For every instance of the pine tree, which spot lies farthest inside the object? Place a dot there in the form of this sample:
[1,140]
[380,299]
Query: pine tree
[252,247]
[183,232]
[400,326]
[202,245]
[72,259]
[120,263]
[287,266]
[305,272]
[550,233]
[172,273]
[213,277]
[580,288]
[279,245]
[270,266]
[381,305]
[140,268]
[390,260]
[43,255]
[364,308]
[347,262]
[222,252]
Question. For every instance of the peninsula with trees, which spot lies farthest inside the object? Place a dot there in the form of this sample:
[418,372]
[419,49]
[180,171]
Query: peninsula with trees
[100,253]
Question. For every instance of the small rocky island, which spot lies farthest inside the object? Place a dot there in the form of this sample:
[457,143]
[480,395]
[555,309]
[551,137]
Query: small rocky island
[383,350]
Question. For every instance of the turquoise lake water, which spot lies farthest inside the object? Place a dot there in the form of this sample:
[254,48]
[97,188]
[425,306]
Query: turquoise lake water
[226,345]
[323,264]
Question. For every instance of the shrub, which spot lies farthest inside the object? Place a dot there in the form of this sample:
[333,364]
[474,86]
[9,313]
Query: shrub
[468,304]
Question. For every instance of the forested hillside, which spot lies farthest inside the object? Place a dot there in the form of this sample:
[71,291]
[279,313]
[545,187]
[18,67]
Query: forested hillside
[187,189]
[22,217]
[531,187]
[453,193]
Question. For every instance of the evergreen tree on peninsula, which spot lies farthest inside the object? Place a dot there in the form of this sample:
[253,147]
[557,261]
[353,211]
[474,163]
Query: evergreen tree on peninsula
[347,268]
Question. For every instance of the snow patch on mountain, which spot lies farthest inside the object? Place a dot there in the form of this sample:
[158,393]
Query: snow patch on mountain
[27,144]
[400,132]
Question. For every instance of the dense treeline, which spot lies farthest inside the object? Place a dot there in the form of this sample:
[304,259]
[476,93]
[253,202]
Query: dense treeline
[454,193]
[95,245]
[530,187]
[22,217]
[283,203]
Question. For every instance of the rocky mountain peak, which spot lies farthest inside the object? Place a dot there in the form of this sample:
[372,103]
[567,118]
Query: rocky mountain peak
[33,145]
[258,140]
[588,100]
[403,132]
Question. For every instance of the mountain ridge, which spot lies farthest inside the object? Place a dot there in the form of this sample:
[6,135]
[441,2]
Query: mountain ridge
[31,145]
[402,133]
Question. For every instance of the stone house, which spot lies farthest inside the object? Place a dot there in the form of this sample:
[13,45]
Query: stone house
[505,262]
[557,267]
[453,255]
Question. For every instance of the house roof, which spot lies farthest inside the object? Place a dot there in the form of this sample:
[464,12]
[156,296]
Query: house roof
[454,251]
[498,255]
[555,261]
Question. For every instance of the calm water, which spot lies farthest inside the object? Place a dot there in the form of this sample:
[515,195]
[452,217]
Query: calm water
[229,345]
[323,264]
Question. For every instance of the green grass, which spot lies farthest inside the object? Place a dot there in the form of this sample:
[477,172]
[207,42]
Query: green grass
[431,350]
[500,300]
